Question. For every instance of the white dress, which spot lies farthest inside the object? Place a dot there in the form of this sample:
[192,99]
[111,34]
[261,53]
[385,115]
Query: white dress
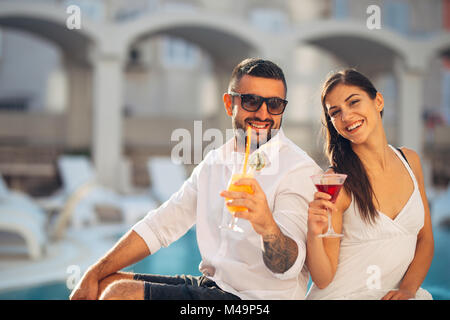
[373,258]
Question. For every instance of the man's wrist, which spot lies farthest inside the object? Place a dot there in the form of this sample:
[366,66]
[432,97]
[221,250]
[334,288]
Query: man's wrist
[96,271]
[271,233]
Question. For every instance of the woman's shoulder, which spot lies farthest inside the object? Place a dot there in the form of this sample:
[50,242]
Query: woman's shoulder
[410,154]
[413,159]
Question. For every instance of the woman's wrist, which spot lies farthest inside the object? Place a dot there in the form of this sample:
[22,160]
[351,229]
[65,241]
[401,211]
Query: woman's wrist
[312,237]
[412,289]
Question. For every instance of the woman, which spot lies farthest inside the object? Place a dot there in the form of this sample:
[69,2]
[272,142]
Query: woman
[382,209]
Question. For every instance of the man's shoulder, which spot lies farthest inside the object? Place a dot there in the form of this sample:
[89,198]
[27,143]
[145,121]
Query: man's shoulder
[295,170]
[296,157]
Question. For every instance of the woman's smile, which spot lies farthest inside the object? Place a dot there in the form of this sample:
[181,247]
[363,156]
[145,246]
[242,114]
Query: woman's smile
[354,127]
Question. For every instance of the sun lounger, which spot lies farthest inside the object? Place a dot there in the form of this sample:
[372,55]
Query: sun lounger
[166,177]
[85,194]
[21,216]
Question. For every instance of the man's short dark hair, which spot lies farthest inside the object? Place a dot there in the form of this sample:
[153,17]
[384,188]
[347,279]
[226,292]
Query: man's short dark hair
[257,68]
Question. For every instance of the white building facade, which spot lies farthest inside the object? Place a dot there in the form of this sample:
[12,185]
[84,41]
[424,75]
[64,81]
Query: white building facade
[135,71]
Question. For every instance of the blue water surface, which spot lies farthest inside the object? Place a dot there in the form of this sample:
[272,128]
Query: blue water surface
[183,257]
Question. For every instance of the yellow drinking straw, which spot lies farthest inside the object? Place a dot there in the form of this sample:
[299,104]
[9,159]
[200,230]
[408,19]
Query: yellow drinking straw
[247,148]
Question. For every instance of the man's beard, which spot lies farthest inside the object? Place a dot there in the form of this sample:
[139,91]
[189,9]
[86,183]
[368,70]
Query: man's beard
[241,132]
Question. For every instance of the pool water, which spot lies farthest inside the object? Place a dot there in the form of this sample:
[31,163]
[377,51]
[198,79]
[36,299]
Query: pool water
[437,281]
[183,257]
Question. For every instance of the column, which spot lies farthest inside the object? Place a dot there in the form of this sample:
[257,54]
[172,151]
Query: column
[298,121]
[107,117]
[223,121]
[411,129]
[79,106]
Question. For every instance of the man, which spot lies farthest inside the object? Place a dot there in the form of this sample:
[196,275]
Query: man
[264,262]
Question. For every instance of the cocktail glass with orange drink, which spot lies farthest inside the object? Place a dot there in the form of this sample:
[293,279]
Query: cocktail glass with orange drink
[240,188]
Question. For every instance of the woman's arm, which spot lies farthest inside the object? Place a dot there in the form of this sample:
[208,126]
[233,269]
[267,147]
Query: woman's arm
[419,266]
[322,253]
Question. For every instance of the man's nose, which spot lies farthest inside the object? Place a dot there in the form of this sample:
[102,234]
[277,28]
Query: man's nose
[263,112]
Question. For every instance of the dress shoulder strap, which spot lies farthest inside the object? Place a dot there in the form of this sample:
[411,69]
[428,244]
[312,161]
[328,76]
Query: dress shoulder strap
[403,155]
[332,167]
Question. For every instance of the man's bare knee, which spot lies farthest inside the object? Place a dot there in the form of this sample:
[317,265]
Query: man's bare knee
[124,290]
[103,284]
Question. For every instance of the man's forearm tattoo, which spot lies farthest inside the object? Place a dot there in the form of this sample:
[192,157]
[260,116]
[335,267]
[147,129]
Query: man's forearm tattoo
[280,252]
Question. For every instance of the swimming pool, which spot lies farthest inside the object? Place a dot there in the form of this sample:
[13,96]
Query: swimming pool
[183,257]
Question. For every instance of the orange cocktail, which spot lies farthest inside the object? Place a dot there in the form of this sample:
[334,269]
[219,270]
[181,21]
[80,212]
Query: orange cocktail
[242,188]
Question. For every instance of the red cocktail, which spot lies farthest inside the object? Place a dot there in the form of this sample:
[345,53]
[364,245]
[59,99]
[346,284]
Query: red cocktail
[331,189]
[330,183]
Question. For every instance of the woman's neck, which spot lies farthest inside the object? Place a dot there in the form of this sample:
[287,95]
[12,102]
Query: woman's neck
[374,153]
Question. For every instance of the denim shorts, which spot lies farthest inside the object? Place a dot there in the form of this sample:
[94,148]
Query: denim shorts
[183,287]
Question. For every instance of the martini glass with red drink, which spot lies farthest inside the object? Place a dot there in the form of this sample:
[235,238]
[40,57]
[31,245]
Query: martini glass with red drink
[330,183]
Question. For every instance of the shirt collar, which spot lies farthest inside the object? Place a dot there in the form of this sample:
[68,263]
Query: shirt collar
[270,151]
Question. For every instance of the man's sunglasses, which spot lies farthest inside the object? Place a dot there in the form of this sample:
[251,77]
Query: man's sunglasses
[252,103]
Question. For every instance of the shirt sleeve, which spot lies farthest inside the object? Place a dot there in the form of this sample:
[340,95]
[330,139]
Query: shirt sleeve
[164,225]
[291,211]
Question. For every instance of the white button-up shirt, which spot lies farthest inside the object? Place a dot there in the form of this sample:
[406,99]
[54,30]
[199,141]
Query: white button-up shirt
[235,261]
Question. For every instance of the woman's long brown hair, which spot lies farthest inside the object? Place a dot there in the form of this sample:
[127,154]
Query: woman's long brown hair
[339,151]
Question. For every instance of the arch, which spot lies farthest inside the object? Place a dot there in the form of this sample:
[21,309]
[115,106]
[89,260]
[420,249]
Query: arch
[375,52]
[374,47]
[49,22]
[439,45]
[214,33]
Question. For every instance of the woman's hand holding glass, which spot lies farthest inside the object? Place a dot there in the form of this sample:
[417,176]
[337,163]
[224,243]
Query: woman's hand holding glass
[317,213]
